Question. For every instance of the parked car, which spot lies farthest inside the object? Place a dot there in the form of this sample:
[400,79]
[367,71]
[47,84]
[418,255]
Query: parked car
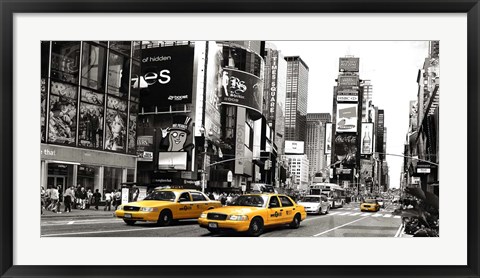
[251,213]
[166,205]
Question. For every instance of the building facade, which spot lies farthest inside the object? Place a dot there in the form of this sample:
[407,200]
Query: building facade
[296,99]
[298,169]
[88,114]
[315,142]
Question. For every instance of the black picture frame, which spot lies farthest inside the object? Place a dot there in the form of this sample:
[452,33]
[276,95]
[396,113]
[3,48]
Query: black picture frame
[10,7]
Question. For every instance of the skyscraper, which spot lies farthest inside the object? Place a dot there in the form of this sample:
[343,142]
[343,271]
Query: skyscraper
[296,99]
[315,141]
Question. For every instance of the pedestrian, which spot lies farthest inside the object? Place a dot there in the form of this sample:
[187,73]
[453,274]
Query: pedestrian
[108,201]
[54,200]
[89,198]
[60,198]
[210,196]
[69,198]
[96,198]
[118,198]
[83,197]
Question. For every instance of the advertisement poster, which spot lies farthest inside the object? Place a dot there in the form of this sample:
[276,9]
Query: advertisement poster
[346,117]
[296,147]
[91,126]
[172,160]
[366,144]
[348,81]
[346,148]
[62,124]
[213,92]
[349,64]
[43,107]
[116,134]
[242,89]
[328,139]
[145,148]
[366,170]
[166,76]
[132,128]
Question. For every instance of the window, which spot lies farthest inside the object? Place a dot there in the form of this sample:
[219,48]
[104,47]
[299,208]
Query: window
[93,66]
[118,75]
[63,113]
[91,120]
[286,201]
[274,203]
[198,196]
[184,197]
[65,61]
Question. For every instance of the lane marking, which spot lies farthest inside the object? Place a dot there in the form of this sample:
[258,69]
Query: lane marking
[397,216]
[70,223]
[338,227]
[106,232]
[333,213]
[399,231]
[345,213]
[81,223]
[356,213]
[387,215]
[366,214]
[377,215]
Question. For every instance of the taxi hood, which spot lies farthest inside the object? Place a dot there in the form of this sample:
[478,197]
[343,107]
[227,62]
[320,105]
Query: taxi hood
[235,210]
[149,203]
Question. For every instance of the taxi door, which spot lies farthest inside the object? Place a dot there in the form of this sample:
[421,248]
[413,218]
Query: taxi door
[274,210]
[184,207]
[200,203]
[288,208]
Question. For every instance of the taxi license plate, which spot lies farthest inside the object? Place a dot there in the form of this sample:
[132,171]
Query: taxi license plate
[127,215]
[213,225]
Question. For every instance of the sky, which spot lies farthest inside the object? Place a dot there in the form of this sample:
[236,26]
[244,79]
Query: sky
[392,67]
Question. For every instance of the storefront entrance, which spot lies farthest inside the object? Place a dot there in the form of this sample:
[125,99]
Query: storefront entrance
[57,181]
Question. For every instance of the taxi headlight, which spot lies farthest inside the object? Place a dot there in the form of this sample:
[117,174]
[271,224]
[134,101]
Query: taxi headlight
[238,217]
[148,209]
[203,215]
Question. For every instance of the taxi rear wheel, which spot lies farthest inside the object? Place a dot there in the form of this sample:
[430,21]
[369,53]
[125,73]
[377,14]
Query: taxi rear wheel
[296,221]
[256,227]
[165,218]
[129,222]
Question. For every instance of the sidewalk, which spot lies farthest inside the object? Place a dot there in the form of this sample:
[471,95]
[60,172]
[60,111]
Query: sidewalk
[89,213]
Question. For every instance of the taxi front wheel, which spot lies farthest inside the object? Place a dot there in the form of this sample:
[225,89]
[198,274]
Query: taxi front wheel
[165,218]
[295,222]
[256,227]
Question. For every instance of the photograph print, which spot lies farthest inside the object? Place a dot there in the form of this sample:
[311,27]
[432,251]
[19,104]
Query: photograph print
[239,138]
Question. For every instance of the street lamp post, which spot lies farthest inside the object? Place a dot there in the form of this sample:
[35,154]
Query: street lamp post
[205,147]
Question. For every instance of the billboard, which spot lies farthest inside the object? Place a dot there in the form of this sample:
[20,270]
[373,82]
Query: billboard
[296,147]
[348,80]
[172,160]
[349,64]
[347,117]
[347,98]
[366,170]
[366,143]
[242,89]
[145,148]
[272,93]
[213,91]
[166,76]
[240,141]
[380,132]
[328,139]
[346,148]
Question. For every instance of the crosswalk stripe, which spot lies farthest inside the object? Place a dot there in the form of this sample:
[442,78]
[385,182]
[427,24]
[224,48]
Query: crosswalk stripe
[345,213]
[333,213]
[377,215]
[387,215]
[356,209]
[356,213]
[348,208]
[397,216]
[366,214]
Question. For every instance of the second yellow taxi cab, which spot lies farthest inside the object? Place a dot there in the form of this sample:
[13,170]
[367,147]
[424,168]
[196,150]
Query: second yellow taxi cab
[252,212]
[166,205]
[370,205]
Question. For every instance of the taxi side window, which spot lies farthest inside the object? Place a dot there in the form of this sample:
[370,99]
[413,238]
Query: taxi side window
[184,197]
[274,203]
[285,201]
[198,197]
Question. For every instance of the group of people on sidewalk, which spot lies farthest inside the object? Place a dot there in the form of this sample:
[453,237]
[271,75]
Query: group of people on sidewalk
[77,198]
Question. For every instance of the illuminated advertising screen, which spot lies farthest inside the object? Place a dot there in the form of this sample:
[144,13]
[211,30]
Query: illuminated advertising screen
[166,76]
[172,160]
[348,80]
[294,147]
[328,138]
[366,143]
[242,89]
[346,148]
[346,117]
[349,64]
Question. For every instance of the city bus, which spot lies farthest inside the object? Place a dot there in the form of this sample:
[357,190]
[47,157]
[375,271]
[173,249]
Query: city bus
[334,193]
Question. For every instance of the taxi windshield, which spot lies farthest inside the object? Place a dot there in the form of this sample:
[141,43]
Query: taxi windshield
[248,201]
[161,196]
[309,199]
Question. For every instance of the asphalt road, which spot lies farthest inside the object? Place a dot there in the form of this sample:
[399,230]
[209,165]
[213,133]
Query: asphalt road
[341,222]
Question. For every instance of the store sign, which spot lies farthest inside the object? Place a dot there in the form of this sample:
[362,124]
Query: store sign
[166,76]
[346,117]
[295,147]
[145,148]
[273,85]
[348,80]
[423,170]
[242,89]
[240,141]
[347,98]
[349,64]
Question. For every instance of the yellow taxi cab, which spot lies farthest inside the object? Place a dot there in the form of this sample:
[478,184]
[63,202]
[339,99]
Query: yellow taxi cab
[252,212]
[370,205]
[163,206]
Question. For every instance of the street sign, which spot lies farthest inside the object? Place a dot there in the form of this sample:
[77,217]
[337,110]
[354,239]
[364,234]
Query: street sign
[423,170]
